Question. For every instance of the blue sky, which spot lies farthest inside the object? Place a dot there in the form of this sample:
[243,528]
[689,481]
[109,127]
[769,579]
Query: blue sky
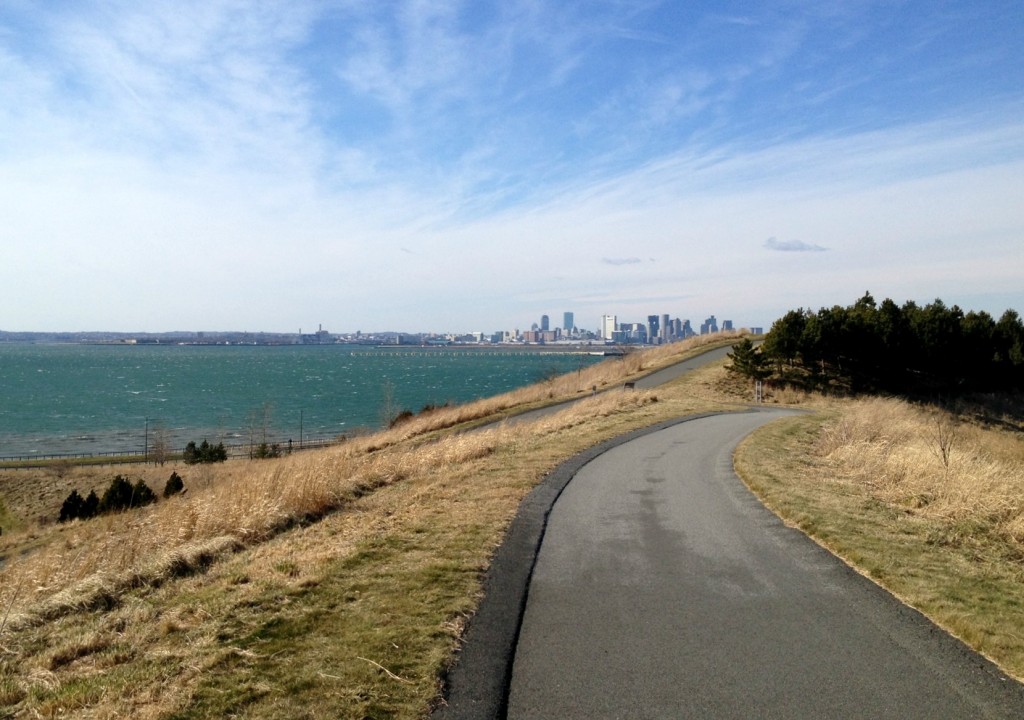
[462,166]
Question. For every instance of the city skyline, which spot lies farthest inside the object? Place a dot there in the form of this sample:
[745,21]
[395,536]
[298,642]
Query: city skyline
[542,332]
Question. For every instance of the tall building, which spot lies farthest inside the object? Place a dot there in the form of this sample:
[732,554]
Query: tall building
[709,326]
[666,328]
[633,332]
[568,321]
[609,324]
[652,329]
[545,323]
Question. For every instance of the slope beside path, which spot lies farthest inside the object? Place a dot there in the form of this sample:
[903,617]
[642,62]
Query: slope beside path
[663,588]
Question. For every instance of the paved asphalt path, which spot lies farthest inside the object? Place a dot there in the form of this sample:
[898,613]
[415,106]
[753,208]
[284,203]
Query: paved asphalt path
[664,589]
[660,377]
[647,382]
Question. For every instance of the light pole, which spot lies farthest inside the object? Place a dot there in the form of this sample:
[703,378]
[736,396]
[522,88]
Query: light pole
[145,452]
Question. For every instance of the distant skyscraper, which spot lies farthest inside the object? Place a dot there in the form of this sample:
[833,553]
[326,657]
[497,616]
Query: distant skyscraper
[652,329]
[568,321]
[609,324]
[545,323]
[666,327]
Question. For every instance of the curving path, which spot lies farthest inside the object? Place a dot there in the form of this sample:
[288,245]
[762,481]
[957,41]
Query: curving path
[664,589]
[647,382]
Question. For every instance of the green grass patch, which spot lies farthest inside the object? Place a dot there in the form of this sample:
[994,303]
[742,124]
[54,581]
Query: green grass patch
[365,641]
[9,522]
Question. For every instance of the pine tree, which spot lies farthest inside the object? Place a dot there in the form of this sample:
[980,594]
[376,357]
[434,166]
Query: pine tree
[174,485]
[142,495]
[72,507]
[748,361]
[117,496]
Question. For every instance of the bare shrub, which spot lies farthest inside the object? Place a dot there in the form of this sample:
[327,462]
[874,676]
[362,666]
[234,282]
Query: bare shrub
[945,436]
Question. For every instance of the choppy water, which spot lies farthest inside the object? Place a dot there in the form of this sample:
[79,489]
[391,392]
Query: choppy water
[105,398]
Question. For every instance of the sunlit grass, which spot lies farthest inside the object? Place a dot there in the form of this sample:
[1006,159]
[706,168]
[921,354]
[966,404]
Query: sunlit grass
[921,501]
[328,583]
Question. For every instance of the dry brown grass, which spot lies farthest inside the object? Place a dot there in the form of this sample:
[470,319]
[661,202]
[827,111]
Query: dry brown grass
[931,462]
[246,604]
[83,564]
[335,583]
[923,502]
[570,386]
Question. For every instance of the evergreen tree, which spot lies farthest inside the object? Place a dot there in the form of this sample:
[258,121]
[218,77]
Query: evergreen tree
[174,485]
[142,495]
[205,453]
[117,496]
[71,509]
[91,505]
[907,350]
[218,453]
[782,343]
[748,360]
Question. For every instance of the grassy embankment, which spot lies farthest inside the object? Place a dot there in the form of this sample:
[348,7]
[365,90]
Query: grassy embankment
[927,504]
[329,583]
[336,583]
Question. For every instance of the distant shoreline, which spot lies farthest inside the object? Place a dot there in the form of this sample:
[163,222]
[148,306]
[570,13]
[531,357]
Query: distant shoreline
[594,348]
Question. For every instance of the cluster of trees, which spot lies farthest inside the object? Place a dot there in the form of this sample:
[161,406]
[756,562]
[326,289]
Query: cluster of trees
[204,453]
[120,495]
[264,451]
[906,349]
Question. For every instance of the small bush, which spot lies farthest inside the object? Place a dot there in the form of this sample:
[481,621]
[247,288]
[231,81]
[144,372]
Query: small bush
[174,485]
[123,495]
[401,417]
[119,496]
[142,495]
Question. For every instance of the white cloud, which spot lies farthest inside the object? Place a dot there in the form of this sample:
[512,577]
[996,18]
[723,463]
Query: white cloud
[173,166]
[774,243]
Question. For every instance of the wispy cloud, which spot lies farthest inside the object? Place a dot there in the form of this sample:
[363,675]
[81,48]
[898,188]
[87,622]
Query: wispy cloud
[773,243]
[462,141]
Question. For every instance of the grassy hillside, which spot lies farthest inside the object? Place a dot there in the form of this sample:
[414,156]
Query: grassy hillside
[336,583]
[328,583]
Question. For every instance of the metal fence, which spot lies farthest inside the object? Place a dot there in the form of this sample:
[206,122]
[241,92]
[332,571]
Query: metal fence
[119,457]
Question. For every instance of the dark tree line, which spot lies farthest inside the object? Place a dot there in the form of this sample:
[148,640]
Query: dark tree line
[906,349]
[120,495]
[204,453]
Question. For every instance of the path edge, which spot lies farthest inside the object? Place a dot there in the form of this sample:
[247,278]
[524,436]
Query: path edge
[476,685]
